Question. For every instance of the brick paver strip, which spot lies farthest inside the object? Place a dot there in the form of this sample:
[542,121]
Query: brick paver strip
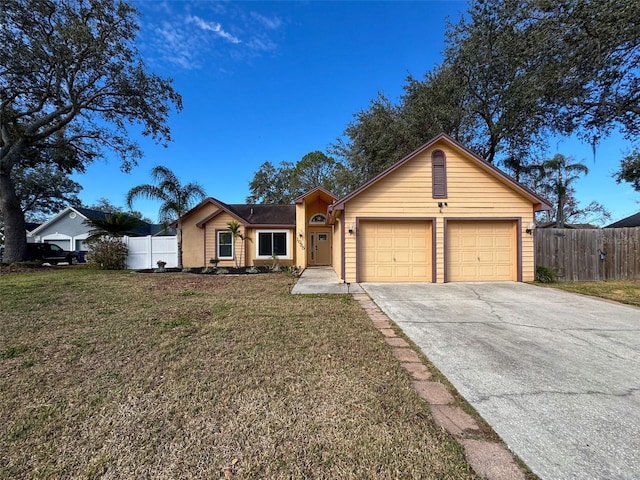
[387,332]
[417,370]
[405,355]
[454,420]
[397,342]
[488,459]
[380,324]
[433,392]
[491,460]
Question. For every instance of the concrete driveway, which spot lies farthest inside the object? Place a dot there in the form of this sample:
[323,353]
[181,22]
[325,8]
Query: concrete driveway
[556,375]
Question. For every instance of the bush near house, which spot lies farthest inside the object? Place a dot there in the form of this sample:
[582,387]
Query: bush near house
[107,253]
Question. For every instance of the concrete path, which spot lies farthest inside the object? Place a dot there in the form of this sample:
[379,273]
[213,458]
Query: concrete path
[323,280]
[556,375]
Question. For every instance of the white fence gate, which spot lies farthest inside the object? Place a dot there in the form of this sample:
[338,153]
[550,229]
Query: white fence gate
[144,252]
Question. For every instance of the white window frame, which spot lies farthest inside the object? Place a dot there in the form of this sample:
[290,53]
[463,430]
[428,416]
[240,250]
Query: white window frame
[218,243]
[288,244]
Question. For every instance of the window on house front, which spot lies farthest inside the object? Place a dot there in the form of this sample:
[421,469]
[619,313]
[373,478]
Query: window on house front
[439,174]
[225,245]
[318,218]
[272,243]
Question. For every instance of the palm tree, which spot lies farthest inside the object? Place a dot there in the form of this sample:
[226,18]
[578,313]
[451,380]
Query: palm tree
[559,174]
[234,229]
[176,199]
[116,224]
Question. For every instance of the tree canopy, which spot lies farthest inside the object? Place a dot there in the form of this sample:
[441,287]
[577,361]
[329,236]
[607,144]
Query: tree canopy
[44,190]
[514,73]
[630,170]
[116,224]
[285,183]
[71,80]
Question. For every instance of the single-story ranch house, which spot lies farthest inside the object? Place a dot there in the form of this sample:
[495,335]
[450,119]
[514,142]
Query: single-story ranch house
[441,214]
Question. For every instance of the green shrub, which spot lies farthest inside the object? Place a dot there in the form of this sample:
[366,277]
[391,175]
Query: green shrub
[546,274]
[107,253]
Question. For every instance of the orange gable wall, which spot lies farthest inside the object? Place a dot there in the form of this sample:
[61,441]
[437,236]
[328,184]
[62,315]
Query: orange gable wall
[193,254]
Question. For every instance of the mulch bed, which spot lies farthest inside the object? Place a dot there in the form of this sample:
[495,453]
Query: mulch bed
[210,271]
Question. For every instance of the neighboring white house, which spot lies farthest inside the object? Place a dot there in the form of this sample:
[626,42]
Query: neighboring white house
[69,231]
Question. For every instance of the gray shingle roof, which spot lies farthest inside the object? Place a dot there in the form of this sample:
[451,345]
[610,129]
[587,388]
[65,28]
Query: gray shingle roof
[630,221]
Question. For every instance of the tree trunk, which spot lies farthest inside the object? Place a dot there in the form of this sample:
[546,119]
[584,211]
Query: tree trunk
[15,230]
[560,212]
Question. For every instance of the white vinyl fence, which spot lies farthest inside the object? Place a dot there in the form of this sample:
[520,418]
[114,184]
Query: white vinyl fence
[144,252]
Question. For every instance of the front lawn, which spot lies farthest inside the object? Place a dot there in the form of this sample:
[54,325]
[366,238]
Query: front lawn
[121,375]
[623,291]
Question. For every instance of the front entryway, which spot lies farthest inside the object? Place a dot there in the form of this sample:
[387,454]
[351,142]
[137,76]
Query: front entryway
[319,252]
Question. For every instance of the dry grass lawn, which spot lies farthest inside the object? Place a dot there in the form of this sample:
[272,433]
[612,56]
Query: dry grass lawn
[623,291]
[118,375]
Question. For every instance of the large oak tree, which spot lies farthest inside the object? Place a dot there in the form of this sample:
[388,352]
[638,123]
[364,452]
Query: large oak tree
[514,72]
[71,80]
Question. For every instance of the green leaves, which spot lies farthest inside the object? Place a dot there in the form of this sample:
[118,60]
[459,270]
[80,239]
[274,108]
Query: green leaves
[630,170]
[72,80]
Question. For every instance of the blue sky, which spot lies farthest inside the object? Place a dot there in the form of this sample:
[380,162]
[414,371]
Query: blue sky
[272,81]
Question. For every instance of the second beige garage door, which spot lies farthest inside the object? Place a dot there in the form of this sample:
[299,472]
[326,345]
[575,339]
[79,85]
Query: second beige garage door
[395,251]
[481,251]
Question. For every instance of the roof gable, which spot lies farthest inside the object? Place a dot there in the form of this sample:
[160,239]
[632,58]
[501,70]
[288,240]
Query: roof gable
[321,192]
[538,202]
[56,218]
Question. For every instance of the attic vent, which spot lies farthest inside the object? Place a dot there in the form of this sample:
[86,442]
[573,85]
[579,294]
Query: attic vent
[252,211]
[439,174]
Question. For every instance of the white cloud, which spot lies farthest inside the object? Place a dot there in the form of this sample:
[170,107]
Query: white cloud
[214,27]
[271,23]
[184,34]
[174,46]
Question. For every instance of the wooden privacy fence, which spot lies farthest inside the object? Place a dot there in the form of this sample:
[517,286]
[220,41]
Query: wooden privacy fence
[584,255]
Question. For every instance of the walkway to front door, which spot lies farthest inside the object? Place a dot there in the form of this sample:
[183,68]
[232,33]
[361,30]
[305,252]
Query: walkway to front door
[323,280]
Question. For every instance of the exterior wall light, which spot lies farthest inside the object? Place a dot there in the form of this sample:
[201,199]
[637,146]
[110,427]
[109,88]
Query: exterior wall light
[531,228]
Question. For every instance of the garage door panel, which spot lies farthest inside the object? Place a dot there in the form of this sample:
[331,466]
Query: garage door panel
[468,242]
[481,251]
[419,257]
[395,251]
[401,242]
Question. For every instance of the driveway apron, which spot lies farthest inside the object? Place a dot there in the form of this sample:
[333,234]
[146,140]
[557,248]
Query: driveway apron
[557,375]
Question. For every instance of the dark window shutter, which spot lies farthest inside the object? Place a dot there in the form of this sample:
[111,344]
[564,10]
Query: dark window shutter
[439,174]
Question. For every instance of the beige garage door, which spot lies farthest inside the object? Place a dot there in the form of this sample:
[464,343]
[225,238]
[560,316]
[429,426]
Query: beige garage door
[481,251]
[395,251]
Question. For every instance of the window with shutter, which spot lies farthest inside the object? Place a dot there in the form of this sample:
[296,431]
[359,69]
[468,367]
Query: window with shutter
[439,174]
